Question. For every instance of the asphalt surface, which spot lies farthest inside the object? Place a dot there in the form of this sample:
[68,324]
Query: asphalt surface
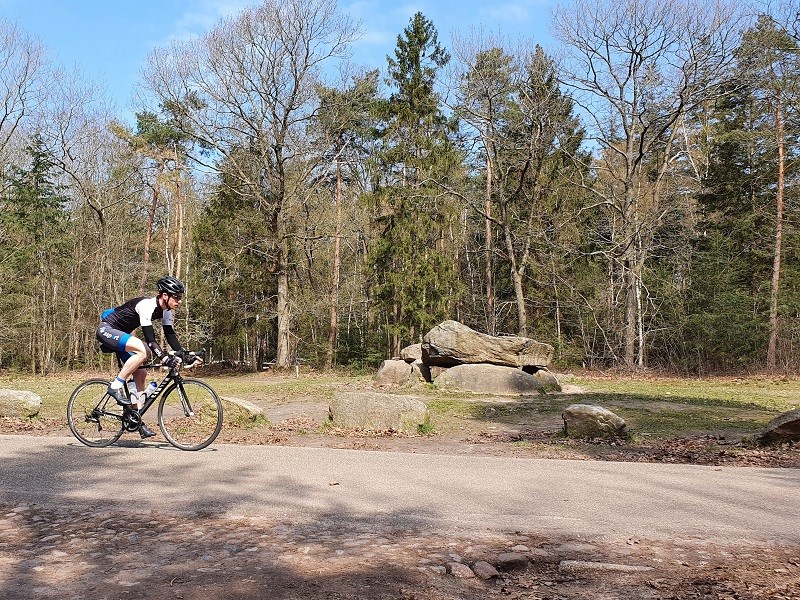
[572,498]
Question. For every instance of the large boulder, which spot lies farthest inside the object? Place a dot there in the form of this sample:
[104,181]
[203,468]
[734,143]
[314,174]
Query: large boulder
[400,372]
[494,379]
[378,412]
[589,421]
[19,403]
[451,343]
[783,428]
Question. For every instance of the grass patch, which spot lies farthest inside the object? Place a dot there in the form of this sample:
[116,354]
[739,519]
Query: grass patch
[656,406]
[777,395]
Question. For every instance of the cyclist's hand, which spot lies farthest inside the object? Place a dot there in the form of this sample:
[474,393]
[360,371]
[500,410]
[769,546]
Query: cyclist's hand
[170,361]
[193,359]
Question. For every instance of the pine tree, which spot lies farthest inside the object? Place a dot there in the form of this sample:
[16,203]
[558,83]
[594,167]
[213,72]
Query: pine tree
[34,255]
[413,261]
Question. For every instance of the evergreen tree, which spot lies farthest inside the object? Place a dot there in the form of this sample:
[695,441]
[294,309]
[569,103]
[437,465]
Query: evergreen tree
[413,260]
[346,120]
[34,255]
[231,298]
[743,224]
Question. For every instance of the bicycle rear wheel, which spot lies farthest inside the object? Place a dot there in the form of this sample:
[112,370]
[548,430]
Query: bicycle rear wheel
[190,415]
[93,416]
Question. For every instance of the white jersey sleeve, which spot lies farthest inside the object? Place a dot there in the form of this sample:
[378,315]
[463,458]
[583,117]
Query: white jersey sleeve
[145,308]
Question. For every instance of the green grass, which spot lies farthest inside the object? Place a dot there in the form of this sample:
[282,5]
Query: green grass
[762,393]
[662,407]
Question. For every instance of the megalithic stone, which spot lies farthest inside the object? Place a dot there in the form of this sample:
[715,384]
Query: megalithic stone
[452,343]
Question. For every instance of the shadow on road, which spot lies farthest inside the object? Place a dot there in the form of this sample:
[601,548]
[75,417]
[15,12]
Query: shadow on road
[145,531]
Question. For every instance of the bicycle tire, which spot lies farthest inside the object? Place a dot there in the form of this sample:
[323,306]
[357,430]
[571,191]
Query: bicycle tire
[192,431]
[94,417]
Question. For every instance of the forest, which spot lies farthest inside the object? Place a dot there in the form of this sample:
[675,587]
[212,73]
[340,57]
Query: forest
[630,198]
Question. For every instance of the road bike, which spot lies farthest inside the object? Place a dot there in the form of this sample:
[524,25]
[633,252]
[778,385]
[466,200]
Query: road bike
[189,411]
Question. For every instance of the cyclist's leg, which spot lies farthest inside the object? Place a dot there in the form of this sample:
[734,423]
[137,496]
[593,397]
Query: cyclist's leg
[137,354]
[140,377]
[133,357]
[131,352]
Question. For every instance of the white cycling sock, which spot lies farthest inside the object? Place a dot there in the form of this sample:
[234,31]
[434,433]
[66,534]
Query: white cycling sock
[117,383]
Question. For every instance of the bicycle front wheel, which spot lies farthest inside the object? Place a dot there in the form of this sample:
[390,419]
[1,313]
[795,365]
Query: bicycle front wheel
[190,415]
[93,416]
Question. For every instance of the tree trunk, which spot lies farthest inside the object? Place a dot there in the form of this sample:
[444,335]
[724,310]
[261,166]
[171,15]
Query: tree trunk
[148,238]
[517,272]
[776,263]
[179,217]
[334,312]
[491,321]
[283,352]
[630,329]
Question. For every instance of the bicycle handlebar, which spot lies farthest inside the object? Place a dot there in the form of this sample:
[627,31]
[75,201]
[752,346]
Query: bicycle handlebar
[187,359]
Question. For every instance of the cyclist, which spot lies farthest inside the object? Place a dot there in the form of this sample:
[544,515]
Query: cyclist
[115,333]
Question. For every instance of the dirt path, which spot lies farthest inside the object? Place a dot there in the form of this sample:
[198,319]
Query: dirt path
[88,552]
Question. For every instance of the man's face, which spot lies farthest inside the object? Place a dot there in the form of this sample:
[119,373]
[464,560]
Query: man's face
[173,301]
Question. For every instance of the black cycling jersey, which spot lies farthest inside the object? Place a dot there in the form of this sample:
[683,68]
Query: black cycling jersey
[135,313]
[118,323]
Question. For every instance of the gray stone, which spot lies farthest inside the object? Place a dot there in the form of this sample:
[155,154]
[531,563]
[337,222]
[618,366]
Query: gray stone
[547,381]
[378,411]
[484,570]
[589,421]
[459,570]
[511,561]
[411,353]
[400,372]
[490,379]
[19,403]
[245,405]
[451,343]
[783,428]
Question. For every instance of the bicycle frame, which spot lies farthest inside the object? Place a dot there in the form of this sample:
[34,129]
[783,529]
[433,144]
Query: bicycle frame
[175,379]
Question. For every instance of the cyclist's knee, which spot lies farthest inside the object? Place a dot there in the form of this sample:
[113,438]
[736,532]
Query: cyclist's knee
[137,349]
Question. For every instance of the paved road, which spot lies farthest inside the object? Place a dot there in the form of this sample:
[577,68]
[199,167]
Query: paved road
[571,498]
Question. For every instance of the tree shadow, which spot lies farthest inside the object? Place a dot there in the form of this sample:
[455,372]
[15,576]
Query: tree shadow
[66,535]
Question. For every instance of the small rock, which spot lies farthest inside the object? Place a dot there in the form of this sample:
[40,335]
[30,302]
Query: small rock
[589,421]
[460,570]
[484,570]
[511,561]
[520,548]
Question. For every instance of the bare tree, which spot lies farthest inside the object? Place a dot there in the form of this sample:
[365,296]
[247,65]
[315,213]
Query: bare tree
[484,84]
[23,76]
[105,191]
[637,67]
[245,92]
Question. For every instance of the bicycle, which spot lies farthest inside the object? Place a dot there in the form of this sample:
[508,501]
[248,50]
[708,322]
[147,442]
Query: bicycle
[189,413]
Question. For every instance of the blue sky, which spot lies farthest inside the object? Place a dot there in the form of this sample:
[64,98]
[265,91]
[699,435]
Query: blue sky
[109,40]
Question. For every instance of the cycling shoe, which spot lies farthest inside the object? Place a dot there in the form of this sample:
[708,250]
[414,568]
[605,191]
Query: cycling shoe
[146,432]
[119,396]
